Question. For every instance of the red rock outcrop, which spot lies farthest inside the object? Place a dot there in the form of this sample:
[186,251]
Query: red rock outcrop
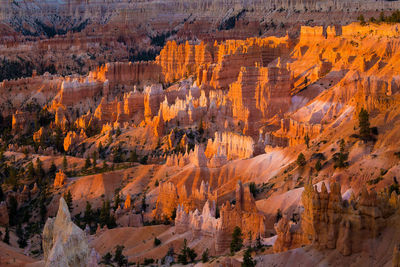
[170,197]
[244,214]
[72,139]
[22,122]
[60,180]
[234,146]
[328,222]
[127,73]
[77,91]
[127,203]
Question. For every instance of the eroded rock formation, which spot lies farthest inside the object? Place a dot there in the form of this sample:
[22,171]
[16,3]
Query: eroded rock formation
[64,243]
[60,179]
[328,222]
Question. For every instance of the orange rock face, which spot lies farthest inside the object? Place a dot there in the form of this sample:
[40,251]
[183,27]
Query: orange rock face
[244,214]
[328,222]
[60,179]
[73,139]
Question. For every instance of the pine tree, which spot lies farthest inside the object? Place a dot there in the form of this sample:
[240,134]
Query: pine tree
[88,215]
[68,200]
[182,257]
[201,127]
[133,156]
[318,165]
[118,132]
[105,166]
[105,218]
[119,258]
[278,215]
[94,159]
[40,173]
[157,241]
[7,236]
[31,170]
[13,210]
[106,259]
[43,208]
[65,163]
[204,256]
[237,240]
[364,125]
[87,163]
[100,149]
[341,157]
[307,140]
[117,154]
[21,239]
[144,202]
[301,160]
[117,201]
[52,170]
[247,259]
[253,188]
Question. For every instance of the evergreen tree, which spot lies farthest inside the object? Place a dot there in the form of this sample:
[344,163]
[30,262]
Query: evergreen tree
[247,259]
[68,200]
[187,254]
[278,215]
[201,127]
[119,258]
[318,165]
[31,170]
[117,154]
[364,125]
[7,236]
[361,19]
[204,256]
[106,259]
[94,159]
[40,173]
[100,150]
[21,239]
[52,170]
[144,202]
[105,166]
[157,242]
[105,216]
[65,163]
[301,160]
[118,132]
[88,215]
[117,201]
[341,157]
[133,156]
[42,204]
[13,211]
[253,189]
[307,140]
[237,240]
[87,163]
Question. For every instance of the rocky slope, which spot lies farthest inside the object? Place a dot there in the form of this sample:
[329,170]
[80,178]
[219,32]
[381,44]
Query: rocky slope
[283,136]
